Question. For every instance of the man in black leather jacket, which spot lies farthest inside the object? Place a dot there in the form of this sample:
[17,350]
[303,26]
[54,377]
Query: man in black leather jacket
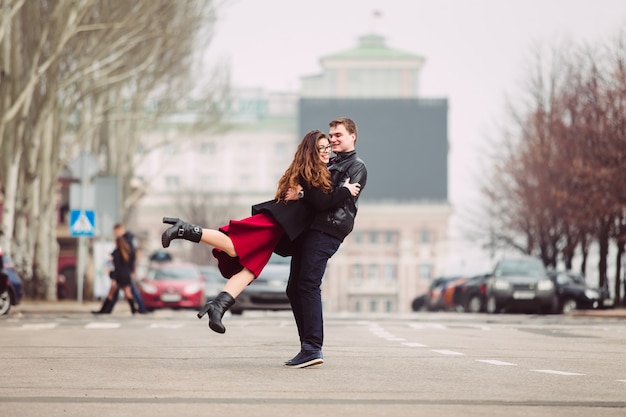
[313,248]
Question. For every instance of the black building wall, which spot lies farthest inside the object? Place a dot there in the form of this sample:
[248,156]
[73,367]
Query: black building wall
[404,143]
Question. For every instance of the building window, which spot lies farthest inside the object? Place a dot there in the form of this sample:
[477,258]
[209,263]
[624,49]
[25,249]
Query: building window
[390,237]
[281,149]
[358,238]
[425,271]
[208,148]
[390,272]
[388,306]
[373,237]
[357,273]
[425,236]
[172,181]
[357,306]
[373,305]
[244,180]
[372,272]
[171,149]
[207,182]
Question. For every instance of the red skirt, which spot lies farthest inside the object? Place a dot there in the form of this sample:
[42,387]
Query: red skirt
[254,238]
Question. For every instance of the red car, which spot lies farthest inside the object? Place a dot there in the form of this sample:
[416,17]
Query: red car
[173,285]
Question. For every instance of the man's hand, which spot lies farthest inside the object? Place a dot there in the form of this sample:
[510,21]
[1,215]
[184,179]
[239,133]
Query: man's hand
[292,193]
[355,188]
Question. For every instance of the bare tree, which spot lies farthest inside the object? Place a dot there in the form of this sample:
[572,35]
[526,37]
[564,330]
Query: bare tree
[72,65]
[559,185]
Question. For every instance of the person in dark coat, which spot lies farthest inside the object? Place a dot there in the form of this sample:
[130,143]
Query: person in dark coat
[243,247]
[123,268]
[109,303]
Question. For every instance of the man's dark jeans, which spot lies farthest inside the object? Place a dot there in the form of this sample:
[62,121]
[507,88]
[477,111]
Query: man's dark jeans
[308,264]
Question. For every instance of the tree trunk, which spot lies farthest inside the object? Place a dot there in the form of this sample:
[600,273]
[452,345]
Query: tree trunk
[618,271]
[603,242]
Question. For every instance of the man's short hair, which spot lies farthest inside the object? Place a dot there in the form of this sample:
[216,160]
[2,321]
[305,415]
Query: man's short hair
[348,123]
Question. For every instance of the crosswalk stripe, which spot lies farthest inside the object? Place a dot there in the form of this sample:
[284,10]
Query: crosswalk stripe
[105,325]
[165,326]
[428,326]
[495,362]
[446,352]
[38,326]
[549,371]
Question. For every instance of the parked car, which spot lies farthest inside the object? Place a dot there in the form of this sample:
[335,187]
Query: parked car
[470,295]
[213,281]
[573,292]
[172,285]
[438,296]
[268,290]
[11,288]
[520,284]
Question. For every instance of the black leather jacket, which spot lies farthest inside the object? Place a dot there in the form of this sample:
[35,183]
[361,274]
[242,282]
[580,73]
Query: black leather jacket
[339,221]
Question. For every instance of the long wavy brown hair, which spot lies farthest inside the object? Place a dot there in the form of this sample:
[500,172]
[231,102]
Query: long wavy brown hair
[124,247]
[306,167]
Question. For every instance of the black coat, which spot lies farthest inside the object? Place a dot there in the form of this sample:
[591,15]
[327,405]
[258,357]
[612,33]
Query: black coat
[123,270]
[338,221]
[296,216]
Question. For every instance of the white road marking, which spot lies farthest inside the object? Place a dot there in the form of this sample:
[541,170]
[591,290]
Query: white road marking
[481,327]
[437,326]
[383,334]
[395,339]
[104,325]
[446,352]
[549,371]
[37,326]
[165,326]
[414,344]
[494,362]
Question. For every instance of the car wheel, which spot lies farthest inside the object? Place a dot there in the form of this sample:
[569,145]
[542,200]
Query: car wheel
[236,312]
[568,306]
[492,305]
[5,302]
[474,305]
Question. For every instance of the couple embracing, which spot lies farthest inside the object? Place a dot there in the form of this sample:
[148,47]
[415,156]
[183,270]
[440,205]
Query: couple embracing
[312,212]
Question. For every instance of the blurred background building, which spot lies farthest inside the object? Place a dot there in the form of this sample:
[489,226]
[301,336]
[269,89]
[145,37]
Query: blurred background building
[399,243]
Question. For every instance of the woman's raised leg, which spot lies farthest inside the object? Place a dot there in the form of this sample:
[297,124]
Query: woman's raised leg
[225,299]
[183,230]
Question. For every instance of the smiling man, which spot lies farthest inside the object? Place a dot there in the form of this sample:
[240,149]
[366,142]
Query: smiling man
[313,249]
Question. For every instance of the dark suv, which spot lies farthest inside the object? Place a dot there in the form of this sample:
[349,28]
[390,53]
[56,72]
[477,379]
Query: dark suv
[520,284]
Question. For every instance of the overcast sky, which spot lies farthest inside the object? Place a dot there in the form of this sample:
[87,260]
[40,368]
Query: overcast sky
[475,51]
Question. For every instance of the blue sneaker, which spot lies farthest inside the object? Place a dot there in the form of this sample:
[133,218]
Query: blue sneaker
[305,359]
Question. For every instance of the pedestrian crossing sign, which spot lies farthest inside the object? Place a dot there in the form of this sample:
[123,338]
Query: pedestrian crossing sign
[82,223]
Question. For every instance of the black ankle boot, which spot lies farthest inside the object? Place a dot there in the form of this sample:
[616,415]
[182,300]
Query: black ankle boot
[131,303]
[107,307]
[180,230]
[216,309]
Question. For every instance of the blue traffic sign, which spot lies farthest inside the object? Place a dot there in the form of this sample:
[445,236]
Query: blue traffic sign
[82,223]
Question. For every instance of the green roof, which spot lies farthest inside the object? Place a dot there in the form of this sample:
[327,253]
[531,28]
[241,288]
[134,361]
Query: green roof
[372,46]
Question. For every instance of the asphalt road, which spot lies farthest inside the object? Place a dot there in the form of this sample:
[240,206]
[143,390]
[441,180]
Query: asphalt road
[429,364]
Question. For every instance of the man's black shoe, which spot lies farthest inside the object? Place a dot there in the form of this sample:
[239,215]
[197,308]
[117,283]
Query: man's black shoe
[305,359]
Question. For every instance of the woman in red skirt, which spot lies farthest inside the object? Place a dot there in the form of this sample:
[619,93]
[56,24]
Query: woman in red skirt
[243,247]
